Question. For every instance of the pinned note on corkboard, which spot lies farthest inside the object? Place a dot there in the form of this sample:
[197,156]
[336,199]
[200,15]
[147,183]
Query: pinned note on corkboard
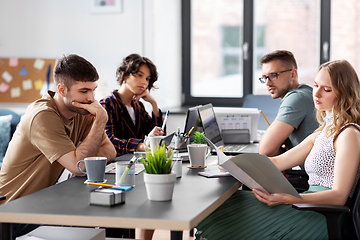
[24,80]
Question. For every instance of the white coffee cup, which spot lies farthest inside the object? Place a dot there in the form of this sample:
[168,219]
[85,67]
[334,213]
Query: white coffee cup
[197,154]
[154,142]
[95,168]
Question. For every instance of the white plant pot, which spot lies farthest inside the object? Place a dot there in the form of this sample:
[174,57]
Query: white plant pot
[159,187]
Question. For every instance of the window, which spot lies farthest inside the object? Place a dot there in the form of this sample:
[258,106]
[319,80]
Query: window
[293,25]
[224,40]
[231,53]
[216,41]
[345,32]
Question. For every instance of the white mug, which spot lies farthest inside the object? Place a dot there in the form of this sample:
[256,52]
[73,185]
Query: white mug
[197,154]
[154,142]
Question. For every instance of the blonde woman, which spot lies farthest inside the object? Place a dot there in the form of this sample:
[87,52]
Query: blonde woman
[331,156]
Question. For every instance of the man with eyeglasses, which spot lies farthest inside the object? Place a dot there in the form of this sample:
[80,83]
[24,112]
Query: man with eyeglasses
[296,117]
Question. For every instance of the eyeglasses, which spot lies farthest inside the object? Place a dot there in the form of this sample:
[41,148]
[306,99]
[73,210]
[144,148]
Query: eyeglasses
[272,76]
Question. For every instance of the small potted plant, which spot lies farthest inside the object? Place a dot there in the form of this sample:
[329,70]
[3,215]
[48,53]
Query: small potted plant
[197,138]
[158,177]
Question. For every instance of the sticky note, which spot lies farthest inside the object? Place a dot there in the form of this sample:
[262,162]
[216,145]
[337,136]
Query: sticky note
[27,84]
[123,188]
[39,64]
[13,62]
[23,71]
[4,87]
[15,92]
[7,76]
[38,84]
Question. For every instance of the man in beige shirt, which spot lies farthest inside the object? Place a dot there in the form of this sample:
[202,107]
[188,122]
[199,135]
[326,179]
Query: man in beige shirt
[56,132]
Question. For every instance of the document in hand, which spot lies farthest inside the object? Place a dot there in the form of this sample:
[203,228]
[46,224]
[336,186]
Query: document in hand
[255,171]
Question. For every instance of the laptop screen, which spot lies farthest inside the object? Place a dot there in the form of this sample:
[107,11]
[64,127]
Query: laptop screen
[210,125]
[192,120]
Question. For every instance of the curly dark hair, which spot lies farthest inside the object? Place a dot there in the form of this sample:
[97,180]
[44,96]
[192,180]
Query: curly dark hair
[131,65]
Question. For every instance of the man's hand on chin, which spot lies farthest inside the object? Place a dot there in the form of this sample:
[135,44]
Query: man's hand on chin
[94,109]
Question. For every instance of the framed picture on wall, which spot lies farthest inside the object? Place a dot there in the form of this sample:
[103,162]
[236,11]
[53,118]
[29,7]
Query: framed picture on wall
[105,6]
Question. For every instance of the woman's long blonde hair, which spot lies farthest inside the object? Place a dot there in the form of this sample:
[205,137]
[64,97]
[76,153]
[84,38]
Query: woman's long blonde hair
[346,87]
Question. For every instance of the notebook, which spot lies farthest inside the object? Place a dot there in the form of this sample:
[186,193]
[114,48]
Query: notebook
[111,167]
[212,132]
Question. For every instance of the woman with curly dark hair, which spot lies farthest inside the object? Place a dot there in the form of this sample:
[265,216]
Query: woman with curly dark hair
[128,121]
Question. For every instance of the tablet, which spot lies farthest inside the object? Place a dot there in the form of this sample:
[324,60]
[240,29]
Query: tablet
[167,140]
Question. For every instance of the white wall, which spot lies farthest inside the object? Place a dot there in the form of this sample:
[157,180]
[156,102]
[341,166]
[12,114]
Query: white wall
[49,29]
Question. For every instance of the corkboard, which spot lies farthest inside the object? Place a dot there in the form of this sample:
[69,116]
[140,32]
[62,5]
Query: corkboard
[24,80]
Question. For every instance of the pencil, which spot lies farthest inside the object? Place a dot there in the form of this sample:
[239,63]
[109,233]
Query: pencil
[265,117]
[101,184]
[187,135]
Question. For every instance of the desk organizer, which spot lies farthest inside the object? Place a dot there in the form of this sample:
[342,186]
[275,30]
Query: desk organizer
[107,197]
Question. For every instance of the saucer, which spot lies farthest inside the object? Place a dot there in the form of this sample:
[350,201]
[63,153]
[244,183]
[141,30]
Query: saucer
[104,181]
[189,166]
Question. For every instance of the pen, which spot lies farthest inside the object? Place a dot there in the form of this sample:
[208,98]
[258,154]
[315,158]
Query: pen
[166,117]
[131,162]
[265,117]
[187,135]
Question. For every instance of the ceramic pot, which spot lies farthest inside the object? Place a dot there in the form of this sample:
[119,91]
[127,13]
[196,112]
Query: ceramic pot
[159,187]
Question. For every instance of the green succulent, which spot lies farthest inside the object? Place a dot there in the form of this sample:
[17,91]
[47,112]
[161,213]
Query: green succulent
[197,138]
[158,162]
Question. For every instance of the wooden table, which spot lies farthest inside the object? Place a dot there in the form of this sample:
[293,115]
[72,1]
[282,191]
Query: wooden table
[67,203]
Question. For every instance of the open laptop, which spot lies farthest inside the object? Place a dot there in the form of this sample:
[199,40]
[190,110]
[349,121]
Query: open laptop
[192,120]
[213,133]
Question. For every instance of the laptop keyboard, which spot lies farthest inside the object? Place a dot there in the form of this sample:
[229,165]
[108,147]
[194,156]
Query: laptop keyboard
[235,148]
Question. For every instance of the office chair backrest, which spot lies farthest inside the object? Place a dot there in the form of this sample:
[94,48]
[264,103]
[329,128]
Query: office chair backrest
[266,104]
[355,210]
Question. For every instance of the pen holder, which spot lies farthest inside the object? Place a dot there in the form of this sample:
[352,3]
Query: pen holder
[129,178]
[179,140]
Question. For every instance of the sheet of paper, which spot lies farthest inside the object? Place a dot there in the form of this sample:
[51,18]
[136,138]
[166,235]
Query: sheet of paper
[13,62]
[221,156]
[214,173]
[27,84]
[4,87]
[39,64]
[38,84]
[6,76]
[15,92]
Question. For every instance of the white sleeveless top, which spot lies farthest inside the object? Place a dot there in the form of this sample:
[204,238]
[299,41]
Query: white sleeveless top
[319,164]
